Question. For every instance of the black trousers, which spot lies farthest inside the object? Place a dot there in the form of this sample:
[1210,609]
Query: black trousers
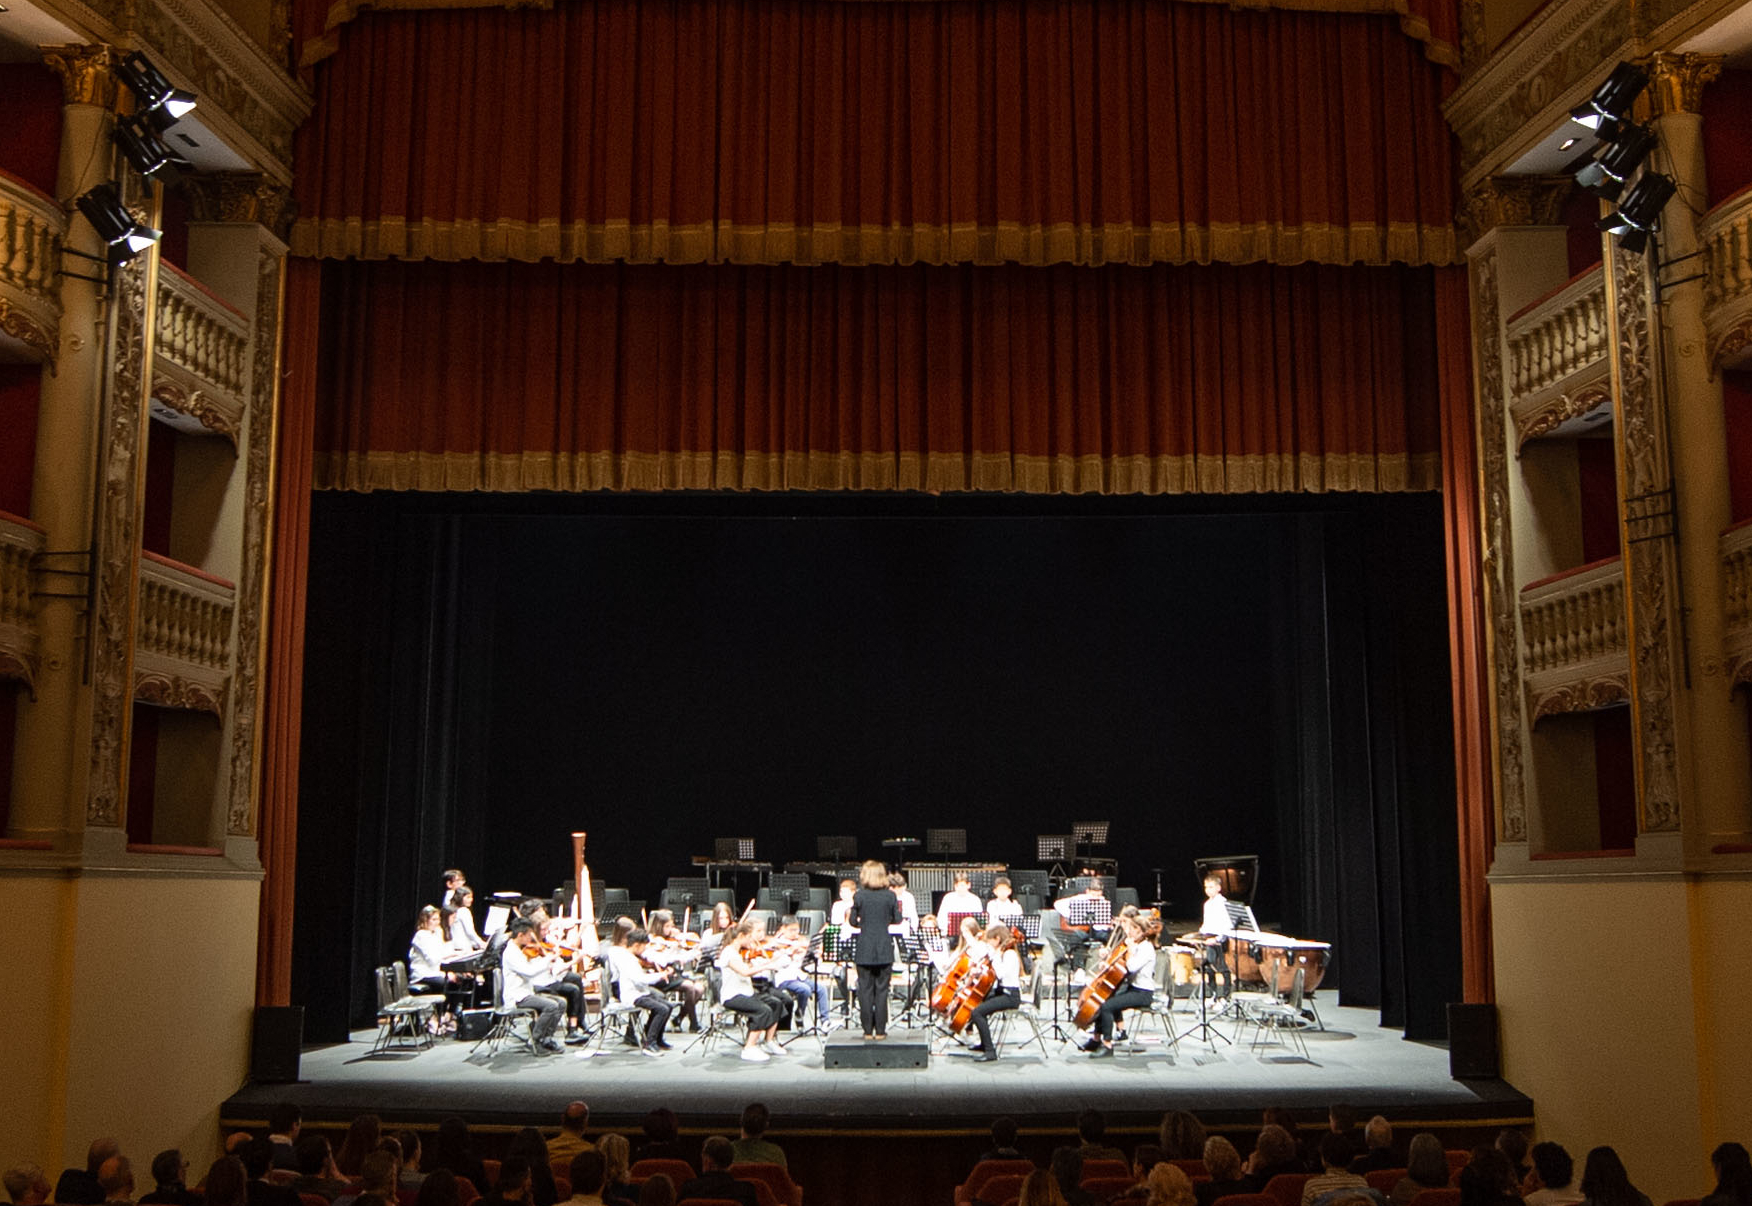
[997,1001]
[658,1010]
[1118,1003]
[762,1009]
[570,989]
[873,984]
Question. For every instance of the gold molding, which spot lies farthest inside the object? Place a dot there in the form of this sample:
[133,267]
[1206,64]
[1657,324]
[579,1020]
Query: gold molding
[1582,695]
[240,197]
[174,691]
[1677,81]
[1557,411]
[196,405]
[86,72]
[22,326]
[1512,201]
[1732,342]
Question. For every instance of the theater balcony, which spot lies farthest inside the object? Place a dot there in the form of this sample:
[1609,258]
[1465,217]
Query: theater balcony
[20,541]
[1574,641]
[1559,376]
[182,653]
[1725,235]
[1737,584]
[31,227]
[201,357]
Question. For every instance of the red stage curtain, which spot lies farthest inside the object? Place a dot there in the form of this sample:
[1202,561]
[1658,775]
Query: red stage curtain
[1046,380]
[283,677]
[1466,631]
[794,131]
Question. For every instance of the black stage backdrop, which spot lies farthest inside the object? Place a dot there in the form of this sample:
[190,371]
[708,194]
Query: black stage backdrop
[486,674]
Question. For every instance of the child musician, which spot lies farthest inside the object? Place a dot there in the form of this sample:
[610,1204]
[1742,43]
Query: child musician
[763,1010]
[999,944]
[1135,992]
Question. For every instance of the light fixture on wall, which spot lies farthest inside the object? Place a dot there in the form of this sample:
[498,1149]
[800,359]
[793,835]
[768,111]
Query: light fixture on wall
[156,103]
[122,235]
[1612,99]
[1636,216]
[146,151]
[1605,176]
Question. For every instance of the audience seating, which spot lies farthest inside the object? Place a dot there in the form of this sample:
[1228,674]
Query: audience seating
[1686,1202]
[785,1191]
[1109,1168]
[1005,1188]
[1286,1188]
[1437,1197]
[984,1171]
[1245,1199]
[467,1191]
[1384,1179]
[562,1188]
[560,1168]
[1458,1159]
[1107,1187]
[679,1171]
[313,1199]
[706,1202]
[1192,1168]
[492,1168]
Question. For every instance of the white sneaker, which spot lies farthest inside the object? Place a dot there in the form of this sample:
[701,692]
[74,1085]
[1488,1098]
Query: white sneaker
[772,1048]
[755,1055]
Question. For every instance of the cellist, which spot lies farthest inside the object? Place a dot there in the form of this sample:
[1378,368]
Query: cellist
[999,944]
[1136,990]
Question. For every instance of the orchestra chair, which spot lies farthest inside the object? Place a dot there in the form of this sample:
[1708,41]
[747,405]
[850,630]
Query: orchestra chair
[785,1191]
[982,1173]
[821,898]
[1437,1197]
[403,1018]
[761,913]
[717,895]
[504,1028]
[721,1024]
[1161,1012]
[1279,1017]
[679,1171]
[1123,897]
[1107,1188]
[1382,1180]
[612,895]
[812,921]
[1027,1013]
[613,1012]
[1286,1188]
[1104,1169]
[1192,1167]
[491,1168]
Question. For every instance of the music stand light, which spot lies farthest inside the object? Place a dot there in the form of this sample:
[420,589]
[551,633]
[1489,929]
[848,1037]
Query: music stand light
[734,850]
[843,849]
[945,841]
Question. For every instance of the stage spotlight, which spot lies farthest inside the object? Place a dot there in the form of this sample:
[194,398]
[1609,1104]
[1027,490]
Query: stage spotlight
[1605,176]
[125,237]
[142,148]
[156,103]
[1612,99]
[1636,217]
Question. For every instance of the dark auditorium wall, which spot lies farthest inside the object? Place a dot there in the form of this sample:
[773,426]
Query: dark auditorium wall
[486,674]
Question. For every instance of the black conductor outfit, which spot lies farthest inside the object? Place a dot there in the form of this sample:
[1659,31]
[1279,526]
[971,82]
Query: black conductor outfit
[873,911]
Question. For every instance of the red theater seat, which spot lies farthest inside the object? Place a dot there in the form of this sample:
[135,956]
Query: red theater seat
[785,1191]
[983,1172]
[1286,1188]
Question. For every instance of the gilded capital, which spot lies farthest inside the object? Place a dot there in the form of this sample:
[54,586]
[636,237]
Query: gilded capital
[1676,81]
[240,197]
[87,73]
[1512,201]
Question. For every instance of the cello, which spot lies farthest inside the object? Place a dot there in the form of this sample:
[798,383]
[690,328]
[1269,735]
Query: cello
[1104,984]
[943,996]
[970,993]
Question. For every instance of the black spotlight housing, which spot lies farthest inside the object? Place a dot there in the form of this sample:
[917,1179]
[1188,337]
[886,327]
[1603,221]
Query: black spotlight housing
[1612,99]
[146,151]
[1605,176]
[156,103]
[1641,210]
[123,237]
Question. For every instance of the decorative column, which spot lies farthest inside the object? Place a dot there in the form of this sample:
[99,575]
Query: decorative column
[1517,252]
[1719,808]
[54,727]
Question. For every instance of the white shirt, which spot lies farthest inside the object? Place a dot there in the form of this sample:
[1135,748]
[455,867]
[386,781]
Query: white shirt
[733,983]
[837,914]
[630,978]
[463,932]
[959,902]
[1063,905]
[427,954]
[909,908]
[1010,970]
[1005,906]
[519,973]
[1140,964]
[1216,916]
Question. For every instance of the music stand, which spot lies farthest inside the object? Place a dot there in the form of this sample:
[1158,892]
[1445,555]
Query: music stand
[1097,914]
[733,850]
[1053,847]
[1029,882]
[812,962]
[945,841]
[687,891]
[917,953]
[793,886]
[1092,834]
[836,849]
[840,945]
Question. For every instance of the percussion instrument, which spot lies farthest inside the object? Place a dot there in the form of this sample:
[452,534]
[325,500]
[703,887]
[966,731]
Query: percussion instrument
[1273,959]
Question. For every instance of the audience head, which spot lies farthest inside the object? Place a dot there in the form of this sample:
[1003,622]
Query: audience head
[1335,1150]
[587,1171]
[1733,1169]
[26,1185]
[1167,1185]
[258,1157]
[1221,1159]
[1341,1119]
[438,1189]
[168,1167]
[377,1173]
[1091,1125]
[452,1138]
[1486,1177]
[361,1140]
[1040,1189]
[1378,1133]
[617,1157]
[1427,1161]
[755,1117]
[1145,1157]
[285,1119]
[1553,1164]
[1604,1181]
[1181,1135]
[1512,1142]
[311,1154]
[227,1182]
[99,1151]
[1274,1147]
[116,1176]
[236,1141]
[717,1154]
[410,1148]
[1004,1131]
[392,1145]
[575,1118]
[657,1191]
[1279,1116]
[530,1144]
[1067,1169]
[660,1125]
[513,1177]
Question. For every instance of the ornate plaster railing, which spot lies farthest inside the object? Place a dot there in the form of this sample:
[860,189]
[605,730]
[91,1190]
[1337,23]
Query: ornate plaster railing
[20,540]
[1574,642]
[182,650]
[1736,548]
[31,228]
[1725,237]
[201,357]
[1558,369]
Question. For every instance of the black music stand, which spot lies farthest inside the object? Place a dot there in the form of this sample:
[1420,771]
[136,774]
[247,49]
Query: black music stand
[840,944]
[836,849]
[1207,986]
[917,955]
[683,892]
[812,964]
[793,886]
[945,841]
[733,850]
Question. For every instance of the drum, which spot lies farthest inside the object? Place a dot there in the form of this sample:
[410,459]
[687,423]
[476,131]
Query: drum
[1280,958]
[1182,969]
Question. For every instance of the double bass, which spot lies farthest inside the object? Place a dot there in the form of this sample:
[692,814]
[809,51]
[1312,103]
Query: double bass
[1104,984]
